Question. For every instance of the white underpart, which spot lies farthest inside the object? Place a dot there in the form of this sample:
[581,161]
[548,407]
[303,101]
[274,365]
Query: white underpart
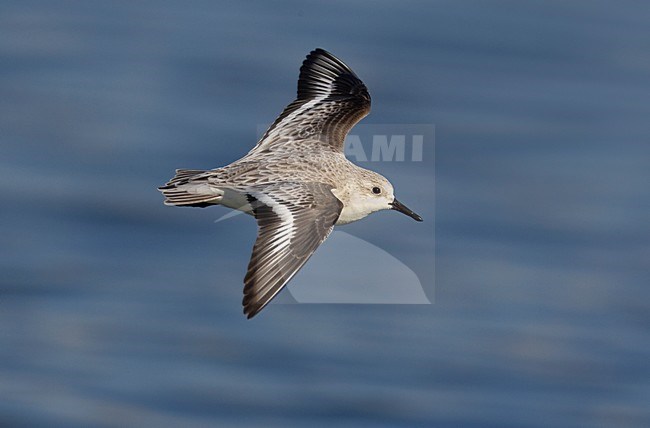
[236,200]
[203,189]
[353,212]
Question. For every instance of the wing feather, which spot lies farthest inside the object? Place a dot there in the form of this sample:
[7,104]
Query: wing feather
[331,100]
[293,220]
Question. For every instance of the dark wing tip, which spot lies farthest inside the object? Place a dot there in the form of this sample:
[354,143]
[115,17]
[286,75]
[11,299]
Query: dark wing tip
[251,302]
[323,74]
[250,312]
[253,308]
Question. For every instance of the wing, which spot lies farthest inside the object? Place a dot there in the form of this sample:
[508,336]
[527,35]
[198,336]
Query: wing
[293,219]
[331,100]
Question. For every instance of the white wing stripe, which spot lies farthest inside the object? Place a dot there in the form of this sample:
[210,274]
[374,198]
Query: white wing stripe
[285,232]
[292,116]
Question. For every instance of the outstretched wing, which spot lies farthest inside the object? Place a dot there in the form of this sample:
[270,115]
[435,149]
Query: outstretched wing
[331,100]
[293,219]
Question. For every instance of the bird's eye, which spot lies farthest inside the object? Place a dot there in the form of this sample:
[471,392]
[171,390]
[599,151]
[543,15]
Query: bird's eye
[376,190]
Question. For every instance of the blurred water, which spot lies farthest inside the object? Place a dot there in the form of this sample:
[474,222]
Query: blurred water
[118,311]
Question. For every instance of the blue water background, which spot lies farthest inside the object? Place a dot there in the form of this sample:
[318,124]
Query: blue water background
[118,311]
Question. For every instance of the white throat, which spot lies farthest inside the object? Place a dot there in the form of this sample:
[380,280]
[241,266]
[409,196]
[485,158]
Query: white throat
[356,207]
[353,212]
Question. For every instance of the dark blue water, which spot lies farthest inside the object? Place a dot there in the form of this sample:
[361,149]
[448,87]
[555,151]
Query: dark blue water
[118,311]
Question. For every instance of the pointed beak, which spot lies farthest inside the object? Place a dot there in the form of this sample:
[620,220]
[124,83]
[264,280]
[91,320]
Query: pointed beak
[398,206]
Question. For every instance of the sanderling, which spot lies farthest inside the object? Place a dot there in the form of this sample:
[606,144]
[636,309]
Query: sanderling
[296,181]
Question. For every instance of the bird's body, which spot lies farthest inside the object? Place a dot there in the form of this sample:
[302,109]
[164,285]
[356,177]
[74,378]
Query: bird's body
[296,181]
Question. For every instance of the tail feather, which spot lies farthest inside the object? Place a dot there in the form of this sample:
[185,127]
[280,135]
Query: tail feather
[190,188]
[184,175]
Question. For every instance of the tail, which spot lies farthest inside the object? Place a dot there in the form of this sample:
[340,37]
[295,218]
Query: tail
[190,188]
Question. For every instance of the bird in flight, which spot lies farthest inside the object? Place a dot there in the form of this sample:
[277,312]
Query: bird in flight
[296,181]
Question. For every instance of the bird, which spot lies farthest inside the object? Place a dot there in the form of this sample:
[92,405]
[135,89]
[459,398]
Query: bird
[296,181]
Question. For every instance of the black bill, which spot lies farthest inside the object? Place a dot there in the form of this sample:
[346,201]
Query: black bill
[398,206]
